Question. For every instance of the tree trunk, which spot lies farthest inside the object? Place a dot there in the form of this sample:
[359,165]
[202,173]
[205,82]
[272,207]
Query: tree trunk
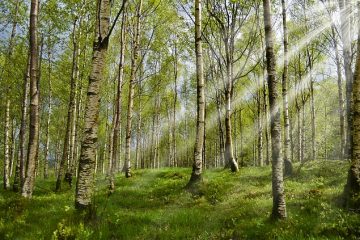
[134,62]
[345,30]
[20,163]
[287,161]
[299,133]
[85,182]
[197,164]
[70,116]
[47,141]
[6,77]
[37,164]
[267,120]
[117,118]
[139,123]
[241,139]
[340,92]
[312,110]
[303,136]
[352,188]
[174,106]
[221,131]
[33,145]
[259,126]
[279,206]
[6,176]
[13,147]
[325,133]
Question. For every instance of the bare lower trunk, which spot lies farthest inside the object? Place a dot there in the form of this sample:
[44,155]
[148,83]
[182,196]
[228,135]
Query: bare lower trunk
[13,147]
[47,141]
[229,153]
[65,164]
[6,176]
[21,162]
[259,127]
[345,30]
[279,206]
[174,155]
[287,160]
[352,187]
[312,111]
[86,178]
[299,134]
[134,62]
[199,141]
[266,129]
[340,92]
[33,145]
[221,131]
[117,118]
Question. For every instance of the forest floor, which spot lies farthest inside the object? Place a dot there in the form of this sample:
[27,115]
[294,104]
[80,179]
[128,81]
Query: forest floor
[154,205]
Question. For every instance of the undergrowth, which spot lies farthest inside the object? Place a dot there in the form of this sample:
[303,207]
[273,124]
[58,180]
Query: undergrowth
[154,204]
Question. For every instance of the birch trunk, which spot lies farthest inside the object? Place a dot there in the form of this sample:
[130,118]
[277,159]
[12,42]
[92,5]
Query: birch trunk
[340,92]
[279,205]
[70,115]
[20,163]
[287,161]
[134,62]
[47,141]
[33,145]
[197,164]
[6,176]
[117,118]
[86,178]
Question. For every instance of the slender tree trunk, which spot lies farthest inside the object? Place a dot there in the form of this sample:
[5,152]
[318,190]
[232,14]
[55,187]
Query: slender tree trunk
[221,131]
[352,187]
[340,92]
[6,176]
[33,145]
[6,77]
[229,152]
[72,148]
[37,163]
[299,133]
[174,106]
[139,122]
[134,62]
[325,133]
[85,182]
[21,162]
[70,116]
[287,161]
[197,164]
[279,206]
[345,30]
[117,118]
[241,138]
[204,144]
[312,110]
[47,141]
[13,147]
[267,120]
[259,127]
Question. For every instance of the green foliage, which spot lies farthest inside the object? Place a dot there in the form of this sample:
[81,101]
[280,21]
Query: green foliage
[154,205]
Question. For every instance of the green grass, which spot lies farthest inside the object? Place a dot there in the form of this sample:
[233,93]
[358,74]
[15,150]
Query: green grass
[154,205]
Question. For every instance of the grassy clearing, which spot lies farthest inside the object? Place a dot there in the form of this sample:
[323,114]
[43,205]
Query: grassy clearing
[154,205]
